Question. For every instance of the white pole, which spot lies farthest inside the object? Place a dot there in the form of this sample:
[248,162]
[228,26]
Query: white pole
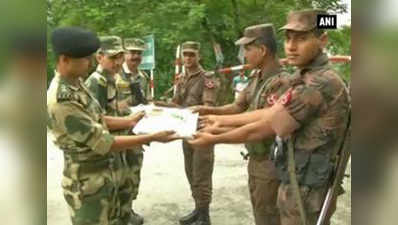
[152,85]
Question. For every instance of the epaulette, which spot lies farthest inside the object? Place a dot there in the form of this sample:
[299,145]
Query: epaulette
[100,79]
[207,74]
[64,94]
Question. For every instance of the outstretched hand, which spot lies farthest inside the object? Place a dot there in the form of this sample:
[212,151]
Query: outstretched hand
[202,139]
[136,117]
[165,136]
[209,120]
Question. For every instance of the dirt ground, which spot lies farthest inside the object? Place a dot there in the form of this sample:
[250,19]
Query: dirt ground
[164,192]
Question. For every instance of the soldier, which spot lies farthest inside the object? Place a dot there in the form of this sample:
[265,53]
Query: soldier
[106,90]
[195,87]
[81,131]
[133,57]
[130,88]
[309,119]
[260,48]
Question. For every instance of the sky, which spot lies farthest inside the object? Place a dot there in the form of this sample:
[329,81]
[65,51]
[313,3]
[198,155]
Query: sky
[345,18]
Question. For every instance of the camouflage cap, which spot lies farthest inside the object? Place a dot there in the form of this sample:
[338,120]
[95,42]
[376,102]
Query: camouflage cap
[191,46]
[252,33]
[134,44]
[111,45]
[303,20]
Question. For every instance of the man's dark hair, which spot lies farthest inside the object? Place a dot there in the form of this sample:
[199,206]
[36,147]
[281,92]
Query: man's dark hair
[269,42]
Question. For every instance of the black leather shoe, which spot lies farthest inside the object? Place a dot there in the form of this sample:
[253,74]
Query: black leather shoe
[190,218]
[203,217]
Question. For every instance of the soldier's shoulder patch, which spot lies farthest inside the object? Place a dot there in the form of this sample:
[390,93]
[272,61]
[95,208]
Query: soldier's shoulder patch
[99,78]
[64,94]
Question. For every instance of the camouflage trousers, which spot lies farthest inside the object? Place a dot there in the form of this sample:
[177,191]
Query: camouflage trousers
[199,164]
[128,191]
[312,200]
[263,187]
[90,190]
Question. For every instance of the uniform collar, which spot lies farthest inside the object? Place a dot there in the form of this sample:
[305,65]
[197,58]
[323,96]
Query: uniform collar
[101,71]
[265,74]
[75,86]
[198,71]
[319,61]
[128,71]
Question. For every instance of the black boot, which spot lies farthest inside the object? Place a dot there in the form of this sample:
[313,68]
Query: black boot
[190,218]
[203,217]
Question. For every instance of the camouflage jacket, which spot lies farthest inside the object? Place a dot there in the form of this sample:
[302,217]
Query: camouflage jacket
[253,97]
[103,86]
[196,89]
[127,97]
[75,120]
[318,102]
[141,77]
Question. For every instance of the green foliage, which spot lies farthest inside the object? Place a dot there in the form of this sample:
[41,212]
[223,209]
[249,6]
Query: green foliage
[175,21]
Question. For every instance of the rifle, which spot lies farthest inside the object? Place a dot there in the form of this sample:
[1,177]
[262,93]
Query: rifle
[343,156]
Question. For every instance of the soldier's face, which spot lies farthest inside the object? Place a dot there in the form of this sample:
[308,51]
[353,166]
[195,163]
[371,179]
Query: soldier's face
[302,47]
[111,63]
[133,59]
[254,55]
[191,59]
[77,67]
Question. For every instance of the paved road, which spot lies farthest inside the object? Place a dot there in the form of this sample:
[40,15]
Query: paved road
[164,193]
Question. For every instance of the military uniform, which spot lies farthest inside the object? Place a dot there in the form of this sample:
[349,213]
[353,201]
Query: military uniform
[130,93]
[90,181]
[90,176]
[263,181]
[139,76]
[104,87]
[197,88]
[317,103]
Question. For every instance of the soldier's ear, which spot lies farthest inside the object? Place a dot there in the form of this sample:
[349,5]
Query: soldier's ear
[264,50]
[324,38]
[99,57]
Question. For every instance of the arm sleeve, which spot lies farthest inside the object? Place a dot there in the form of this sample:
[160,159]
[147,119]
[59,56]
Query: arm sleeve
[295,108]
[78,125]
[209,96]
[98,90]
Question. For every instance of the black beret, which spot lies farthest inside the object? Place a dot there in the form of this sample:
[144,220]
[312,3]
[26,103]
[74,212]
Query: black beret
[74,42]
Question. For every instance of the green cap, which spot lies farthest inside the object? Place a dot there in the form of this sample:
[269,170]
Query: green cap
[136,44]
[191,46]
[111,45]
[303,20]
[257,31]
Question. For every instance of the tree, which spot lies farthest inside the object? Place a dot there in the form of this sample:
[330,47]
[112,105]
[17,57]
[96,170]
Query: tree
[175,21]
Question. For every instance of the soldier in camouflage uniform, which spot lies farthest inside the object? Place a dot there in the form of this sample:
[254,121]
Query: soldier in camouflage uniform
[133,57]
[309,119]
[103,85]
[195,87]
[81,130]
[130,93]
[260,52]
